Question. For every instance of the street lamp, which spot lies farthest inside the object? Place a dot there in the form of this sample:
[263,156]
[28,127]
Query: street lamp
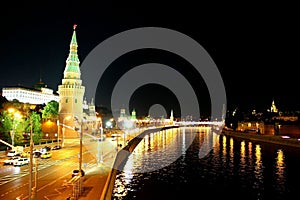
[63,130]
[80,152]
[57,123]
[32,190]
[99,148]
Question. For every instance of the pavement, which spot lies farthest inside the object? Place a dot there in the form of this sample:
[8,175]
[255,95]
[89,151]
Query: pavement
[96,178]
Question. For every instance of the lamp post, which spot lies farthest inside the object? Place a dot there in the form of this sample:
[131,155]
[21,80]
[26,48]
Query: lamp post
[80,152]
[32,190]
[101,129]
[99,147]
[35,176]
[63,130]
[57,123]
[80,148]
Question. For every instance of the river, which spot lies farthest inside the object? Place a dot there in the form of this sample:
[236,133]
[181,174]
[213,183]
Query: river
[196,163]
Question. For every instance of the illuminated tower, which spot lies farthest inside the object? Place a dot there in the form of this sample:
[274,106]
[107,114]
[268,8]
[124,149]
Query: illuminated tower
[71,92]
[171,116]
[133,115]
[122,113]
[273,107]
[224,113]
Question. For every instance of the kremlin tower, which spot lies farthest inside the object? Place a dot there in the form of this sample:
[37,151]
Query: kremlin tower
[71,94]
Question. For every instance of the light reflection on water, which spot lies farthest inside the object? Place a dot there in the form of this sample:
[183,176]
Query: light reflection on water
[158,150]
[234,168]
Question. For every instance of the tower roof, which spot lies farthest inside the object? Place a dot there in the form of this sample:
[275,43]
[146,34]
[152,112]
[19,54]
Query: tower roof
[72,62]
[74,40]
[39,85]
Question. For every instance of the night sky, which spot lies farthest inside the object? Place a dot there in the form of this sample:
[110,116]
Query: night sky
[254,46]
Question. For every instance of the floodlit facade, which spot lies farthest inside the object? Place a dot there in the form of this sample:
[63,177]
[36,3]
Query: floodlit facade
[73,108]
[30,95]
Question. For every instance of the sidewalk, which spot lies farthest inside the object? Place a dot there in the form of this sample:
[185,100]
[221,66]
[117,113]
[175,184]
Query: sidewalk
[96,178]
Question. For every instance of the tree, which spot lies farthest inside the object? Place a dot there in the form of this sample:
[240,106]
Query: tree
[6,126]
[35,119]
[50,111]
[12,123]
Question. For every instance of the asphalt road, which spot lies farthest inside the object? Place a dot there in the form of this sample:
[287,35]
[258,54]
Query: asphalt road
[54,173]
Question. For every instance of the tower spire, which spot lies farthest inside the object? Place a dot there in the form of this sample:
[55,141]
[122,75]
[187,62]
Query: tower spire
[72,62]
[74,40]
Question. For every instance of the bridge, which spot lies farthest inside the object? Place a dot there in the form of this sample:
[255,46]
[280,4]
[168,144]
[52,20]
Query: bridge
[199,123]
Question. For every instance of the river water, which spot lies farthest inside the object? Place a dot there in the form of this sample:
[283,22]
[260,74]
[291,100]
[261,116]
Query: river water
[196,163]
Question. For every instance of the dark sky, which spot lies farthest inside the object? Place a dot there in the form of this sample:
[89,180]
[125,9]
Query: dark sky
[254,46]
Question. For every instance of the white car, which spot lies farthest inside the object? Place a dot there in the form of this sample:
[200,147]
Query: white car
[11,161]
[21,162]
[12,153]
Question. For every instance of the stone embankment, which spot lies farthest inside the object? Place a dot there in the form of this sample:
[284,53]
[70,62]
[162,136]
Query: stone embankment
[274,139]
[121,159]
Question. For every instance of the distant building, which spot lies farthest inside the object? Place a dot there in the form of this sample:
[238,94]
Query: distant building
[285,118]
[251,126]
[90,115]
[39,94]
[125,121]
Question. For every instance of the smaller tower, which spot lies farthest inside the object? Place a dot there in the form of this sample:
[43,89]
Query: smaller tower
[171,116]
[122,113]
[133,115]
[223,113]
[85,105]
[273,107]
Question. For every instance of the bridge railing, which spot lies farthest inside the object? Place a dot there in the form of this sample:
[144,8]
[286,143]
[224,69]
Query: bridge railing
[186,123]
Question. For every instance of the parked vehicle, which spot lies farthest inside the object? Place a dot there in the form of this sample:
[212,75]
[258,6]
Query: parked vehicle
[46,155]
[21,162]
[10,161]
[76,172]
[45,149]
[56,147]
[25,154]
[12,153]
[37,154]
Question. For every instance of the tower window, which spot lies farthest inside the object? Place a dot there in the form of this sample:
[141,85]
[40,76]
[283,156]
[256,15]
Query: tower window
[75,100]
[67,100]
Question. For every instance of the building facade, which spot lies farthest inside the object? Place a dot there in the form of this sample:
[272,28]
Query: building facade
[71,93]
[74,111]
[41,95]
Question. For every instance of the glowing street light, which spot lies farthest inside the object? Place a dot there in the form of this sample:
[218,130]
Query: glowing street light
[63,130]
[32,190]
[80,151]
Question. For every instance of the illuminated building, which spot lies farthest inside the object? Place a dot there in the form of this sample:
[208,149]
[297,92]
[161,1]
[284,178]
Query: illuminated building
[133,115]
[73,109]
[39,94]
[273,107]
